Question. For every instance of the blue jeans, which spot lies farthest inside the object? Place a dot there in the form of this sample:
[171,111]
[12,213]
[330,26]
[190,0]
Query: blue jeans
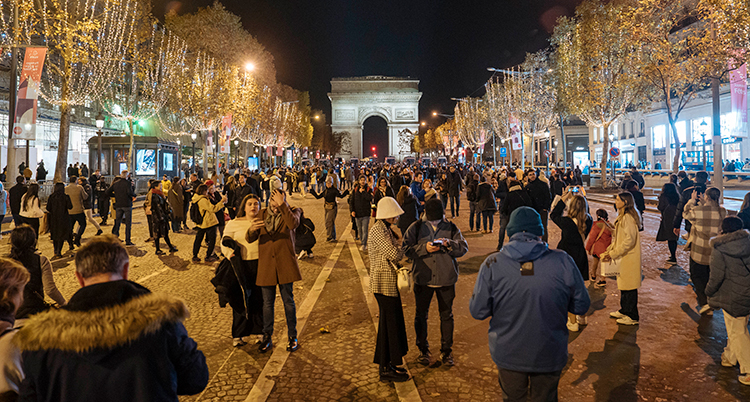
[290,310]
[363,226]
[121,213]
[488,215]
[473,210]
[457,200]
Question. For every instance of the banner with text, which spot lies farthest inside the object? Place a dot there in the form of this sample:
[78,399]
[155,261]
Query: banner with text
[24,123]
[226,134]
[515,133]
[738,86]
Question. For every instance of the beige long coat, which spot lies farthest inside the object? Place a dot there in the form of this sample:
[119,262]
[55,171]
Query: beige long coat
[626,245]
[277,262]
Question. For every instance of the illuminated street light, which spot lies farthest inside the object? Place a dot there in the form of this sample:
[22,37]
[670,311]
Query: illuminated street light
[249,66]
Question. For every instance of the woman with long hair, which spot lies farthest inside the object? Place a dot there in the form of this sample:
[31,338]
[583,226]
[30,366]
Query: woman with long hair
[574,227]
[409,204]
[383,189]
[705,214]
[60,229]
[668,200]
[385,252]
[486,203]
[329,194]
[160,216]
[245,296]
[744,212]
[13,279]
[23,250]
[429,191]
[230,191]
[176,204]
[30,208]
[626,249]
[87,208]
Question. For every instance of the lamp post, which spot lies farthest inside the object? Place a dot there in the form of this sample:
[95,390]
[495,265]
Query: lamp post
[193,136]
[99,126]
[237,152]
[704,127]
[179,159]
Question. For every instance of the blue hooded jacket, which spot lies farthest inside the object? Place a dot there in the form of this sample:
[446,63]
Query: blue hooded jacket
[528,313]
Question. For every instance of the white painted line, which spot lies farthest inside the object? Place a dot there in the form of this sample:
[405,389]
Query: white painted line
[263,387]
[215,374]
[407,391]
[153,274]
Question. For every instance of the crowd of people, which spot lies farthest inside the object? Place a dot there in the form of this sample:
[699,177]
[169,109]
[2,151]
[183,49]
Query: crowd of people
[534,293]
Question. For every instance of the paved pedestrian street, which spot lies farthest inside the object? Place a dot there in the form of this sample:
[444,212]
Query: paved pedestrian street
[674,355]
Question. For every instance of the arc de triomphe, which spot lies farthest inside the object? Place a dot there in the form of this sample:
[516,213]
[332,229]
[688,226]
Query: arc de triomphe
[395,99]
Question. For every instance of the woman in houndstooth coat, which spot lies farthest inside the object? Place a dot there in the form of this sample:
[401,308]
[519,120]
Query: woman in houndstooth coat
[385,249]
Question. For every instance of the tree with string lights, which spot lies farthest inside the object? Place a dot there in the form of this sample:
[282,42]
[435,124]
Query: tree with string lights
[142,82]
[84,40]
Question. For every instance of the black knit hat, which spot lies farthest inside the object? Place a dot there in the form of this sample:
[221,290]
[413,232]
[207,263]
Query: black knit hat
[433,209]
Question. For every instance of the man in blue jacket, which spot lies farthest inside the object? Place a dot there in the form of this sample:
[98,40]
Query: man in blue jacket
[114,340]
[528,291]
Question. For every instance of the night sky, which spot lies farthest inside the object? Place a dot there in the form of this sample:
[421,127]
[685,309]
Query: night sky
[448,45]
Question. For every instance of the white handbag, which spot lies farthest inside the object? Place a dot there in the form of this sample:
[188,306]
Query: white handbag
[611,267]
[405,282]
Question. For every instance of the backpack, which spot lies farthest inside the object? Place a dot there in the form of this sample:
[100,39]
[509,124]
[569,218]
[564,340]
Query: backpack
[195,213]
[471,193]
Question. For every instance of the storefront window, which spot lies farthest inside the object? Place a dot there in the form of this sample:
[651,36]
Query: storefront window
[698,129]
[660,136]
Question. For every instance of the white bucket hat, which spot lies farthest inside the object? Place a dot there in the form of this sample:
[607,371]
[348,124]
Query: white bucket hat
[388,208]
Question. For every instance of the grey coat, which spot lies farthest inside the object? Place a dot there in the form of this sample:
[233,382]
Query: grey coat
[729,284]
[439,268]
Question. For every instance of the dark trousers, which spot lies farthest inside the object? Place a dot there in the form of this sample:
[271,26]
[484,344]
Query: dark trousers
[488,216]
[57,245]
[699,274]
[455,199]
[474,210]
[103,208]
[502,224]
[210,235]
[17,219]
[629,303]
[423,297]
[150,226]
[544,214]
[176,224]
[391,345]
[161,229]
[672,244]
[81,219]
[34,223]
[290,310]
[517,385]
[121,213]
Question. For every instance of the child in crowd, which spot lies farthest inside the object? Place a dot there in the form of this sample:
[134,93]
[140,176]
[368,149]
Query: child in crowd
[304,237]
[597,242]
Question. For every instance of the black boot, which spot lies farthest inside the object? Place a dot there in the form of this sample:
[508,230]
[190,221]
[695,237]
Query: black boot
[266,344]
[387,373]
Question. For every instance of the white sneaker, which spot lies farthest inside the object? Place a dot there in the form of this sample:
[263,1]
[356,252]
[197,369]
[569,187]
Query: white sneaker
[302,254]
[237,342]
[572,326]
[310,255]
[725,362]
[627,321]
[706,309]
[581,319]
[617,314]
[744,379]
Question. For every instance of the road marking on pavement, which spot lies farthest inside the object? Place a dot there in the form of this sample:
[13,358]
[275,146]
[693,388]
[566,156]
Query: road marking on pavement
[153,274]
[407,391]
[215,374]
[264,385]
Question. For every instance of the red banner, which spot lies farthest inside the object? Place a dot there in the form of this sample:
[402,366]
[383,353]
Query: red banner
[515,133]
[738,86]
[226,134]
[24,123]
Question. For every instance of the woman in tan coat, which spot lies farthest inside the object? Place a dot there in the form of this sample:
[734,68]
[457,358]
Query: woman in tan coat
[277,264]
[626,248]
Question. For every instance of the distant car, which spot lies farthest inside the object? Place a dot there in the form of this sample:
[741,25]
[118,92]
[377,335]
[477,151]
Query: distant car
[305,162]
[426,161]
[442,160]
[354,161]
[410,160]
[390,160]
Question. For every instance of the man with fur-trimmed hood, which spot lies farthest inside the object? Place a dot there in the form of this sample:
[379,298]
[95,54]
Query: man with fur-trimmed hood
[113,341]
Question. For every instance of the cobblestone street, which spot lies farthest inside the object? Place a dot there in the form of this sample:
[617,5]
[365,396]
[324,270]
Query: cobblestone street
[674,355]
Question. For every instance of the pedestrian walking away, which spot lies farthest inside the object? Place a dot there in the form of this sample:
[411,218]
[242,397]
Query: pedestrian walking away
[527,291]
[433,243]
[123,193]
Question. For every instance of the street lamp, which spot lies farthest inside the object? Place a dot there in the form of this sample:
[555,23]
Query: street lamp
[249,66]
[99,126]
[704,128]
[193,136]
[237,148]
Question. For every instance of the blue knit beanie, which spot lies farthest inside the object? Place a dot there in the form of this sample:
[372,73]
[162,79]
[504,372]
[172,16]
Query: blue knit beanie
[525,219]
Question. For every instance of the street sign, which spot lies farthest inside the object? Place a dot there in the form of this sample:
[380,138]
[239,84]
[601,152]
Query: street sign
[503,152]
[614,152]
[547,153]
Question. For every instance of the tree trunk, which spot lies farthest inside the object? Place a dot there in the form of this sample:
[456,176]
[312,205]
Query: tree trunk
[61,165]
[676,139]
[131,154]
[605,154]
